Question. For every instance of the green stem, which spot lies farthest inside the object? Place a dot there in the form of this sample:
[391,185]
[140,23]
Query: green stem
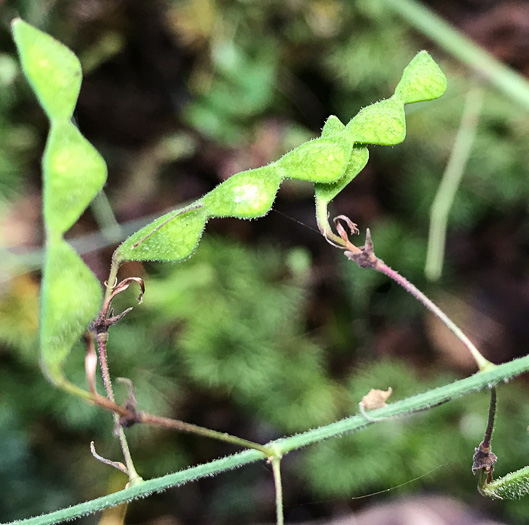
[322,217]
[134,477]
[182,426]
[112,278]
[276,468]
[105,218]
[512,84]
[480,381]
[450,183]
[322,220]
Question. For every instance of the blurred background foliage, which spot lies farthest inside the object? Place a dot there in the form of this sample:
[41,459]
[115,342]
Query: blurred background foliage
[267,330]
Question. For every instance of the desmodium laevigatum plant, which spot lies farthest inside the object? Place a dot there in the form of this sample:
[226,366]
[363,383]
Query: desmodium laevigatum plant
[73,305]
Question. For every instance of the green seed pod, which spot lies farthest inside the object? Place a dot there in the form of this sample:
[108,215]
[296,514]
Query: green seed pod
[333,126]
[74,172]
[512,486]
[70,299]
[171,237]
[381,123]
[422,80]
[246,195]
[53,71]
[319,160]
[357,162]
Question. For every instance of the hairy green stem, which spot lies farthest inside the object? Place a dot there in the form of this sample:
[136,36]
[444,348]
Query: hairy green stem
[450,183]
[182,426]
[322,220]
[480,381]
[512,84]
[112,279]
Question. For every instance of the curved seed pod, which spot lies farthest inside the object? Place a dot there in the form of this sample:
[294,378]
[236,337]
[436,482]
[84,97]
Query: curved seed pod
[382,123]
[512,486]
[333,126]
[246,195]
[171,237]
[70,298]
[422,80]
[52,70]
[319,160]
[357,162]
[74,172]
[330,161]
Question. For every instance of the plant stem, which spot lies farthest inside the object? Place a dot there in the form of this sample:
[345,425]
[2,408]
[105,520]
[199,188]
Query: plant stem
[102,338]
[112,278]
[512,84]
[276,468]
[322,220]
[105,218]
[483,380]
[452,175]
[127,415]
[490,423]
[484,459]
[365,258]
[382,267]
[134,477]
[181,426]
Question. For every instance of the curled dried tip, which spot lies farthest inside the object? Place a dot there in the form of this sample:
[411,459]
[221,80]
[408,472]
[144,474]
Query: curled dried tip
[123,285]
[116,464]
[106,317]
[113,286]
[342,239]
[113,319]
[353,228]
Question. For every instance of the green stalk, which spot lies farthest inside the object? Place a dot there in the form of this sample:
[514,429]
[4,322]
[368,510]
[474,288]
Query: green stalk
[182,426]
[134,477]
[276,467]
[480,381]
[449,185]
[105,218]
[512,84]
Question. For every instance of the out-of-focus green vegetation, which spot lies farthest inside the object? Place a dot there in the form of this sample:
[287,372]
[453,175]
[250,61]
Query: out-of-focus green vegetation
[264,331]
